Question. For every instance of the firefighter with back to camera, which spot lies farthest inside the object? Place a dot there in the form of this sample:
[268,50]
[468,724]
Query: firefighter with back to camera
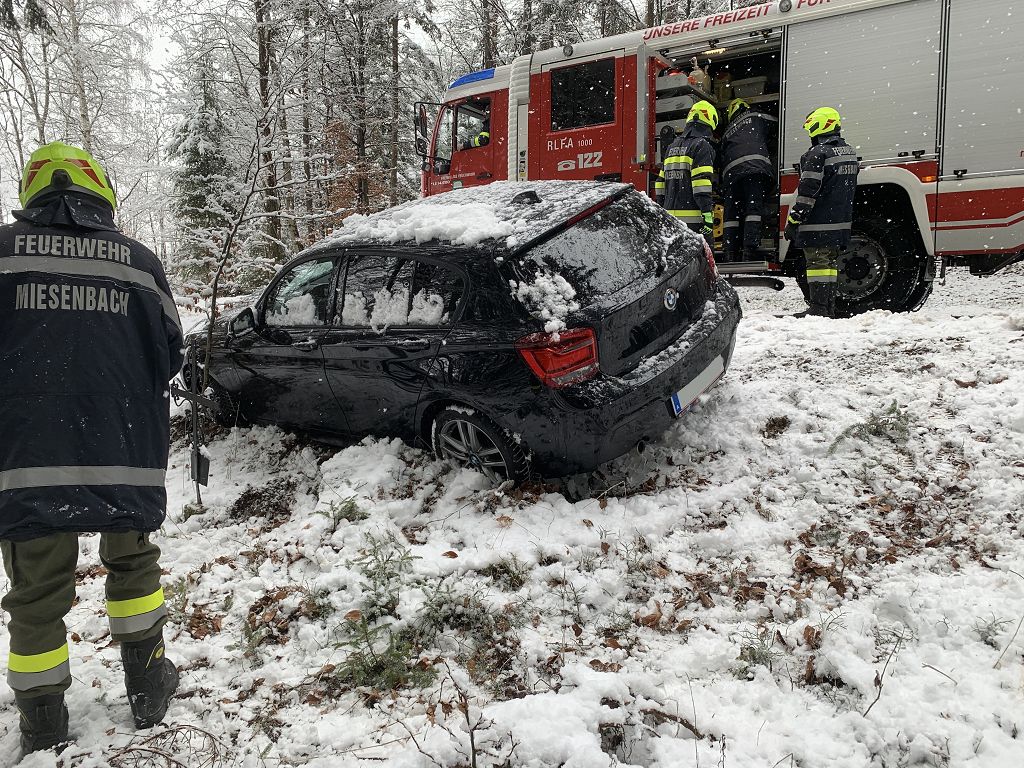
[687,176]
[821,220]
[747,171]
[91,339]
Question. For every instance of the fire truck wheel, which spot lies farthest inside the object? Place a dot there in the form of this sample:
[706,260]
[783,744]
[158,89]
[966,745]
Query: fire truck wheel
[884,268]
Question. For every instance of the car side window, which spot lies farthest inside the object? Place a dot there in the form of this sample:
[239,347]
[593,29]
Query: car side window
[381,292]
[302,296]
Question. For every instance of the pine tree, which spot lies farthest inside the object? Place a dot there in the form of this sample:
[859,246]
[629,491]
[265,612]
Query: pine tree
[205,192]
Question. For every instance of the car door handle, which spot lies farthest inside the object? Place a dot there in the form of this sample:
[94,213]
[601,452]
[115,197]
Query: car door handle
[306,346]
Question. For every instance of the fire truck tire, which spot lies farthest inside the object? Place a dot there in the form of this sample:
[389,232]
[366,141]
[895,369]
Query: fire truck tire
[884,268]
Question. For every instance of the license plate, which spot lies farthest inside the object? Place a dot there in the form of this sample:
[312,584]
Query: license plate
[687,396]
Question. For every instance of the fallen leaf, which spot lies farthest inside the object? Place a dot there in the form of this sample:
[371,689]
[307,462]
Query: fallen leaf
[354,615]
[504,521]
[652,620]
[809,675]
[812,637]
[966,384]
[603,503]
[450,553]
[588,523]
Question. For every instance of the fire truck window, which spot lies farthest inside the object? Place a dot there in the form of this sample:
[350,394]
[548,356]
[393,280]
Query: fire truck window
[443,145]
[473,124]
[583,95]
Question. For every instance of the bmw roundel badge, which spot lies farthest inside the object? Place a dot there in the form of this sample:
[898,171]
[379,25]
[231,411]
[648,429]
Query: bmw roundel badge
[671,299]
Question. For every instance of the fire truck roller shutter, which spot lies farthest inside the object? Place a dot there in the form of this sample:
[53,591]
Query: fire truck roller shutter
[881,73]
[981,187]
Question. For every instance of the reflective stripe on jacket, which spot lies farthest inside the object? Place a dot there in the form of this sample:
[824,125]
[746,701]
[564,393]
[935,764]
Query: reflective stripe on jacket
[91,339]
[745,146]
[688,173]
[824,203]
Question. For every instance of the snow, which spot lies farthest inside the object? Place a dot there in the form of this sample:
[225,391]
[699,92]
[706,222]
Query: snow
[300,310]
[846,506]
[475,215]
[548,297]
[392,307]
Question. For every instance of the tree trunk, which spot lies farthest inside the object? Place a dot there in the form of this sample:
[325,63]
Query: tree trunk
[395,116]
[487,41]
[529,35]
[78,77]
[271,203]
[307,130]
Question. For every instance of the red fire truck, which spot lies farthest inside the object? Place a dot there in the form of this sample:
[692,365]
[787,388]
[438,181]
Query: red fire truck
[931,93]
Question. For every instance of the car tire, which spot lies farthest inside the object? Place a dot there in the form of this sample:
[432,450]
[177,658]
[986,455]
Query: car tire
[227,413]
[469,439]
[884,268]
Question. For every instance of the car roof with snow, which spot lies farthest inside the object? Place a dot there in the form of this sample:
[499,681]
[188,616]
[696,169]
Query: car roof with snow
[503,215]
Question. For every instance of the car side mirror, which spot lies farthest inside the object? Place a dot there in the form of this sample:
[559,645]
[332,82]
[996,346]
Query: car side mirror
[242,322]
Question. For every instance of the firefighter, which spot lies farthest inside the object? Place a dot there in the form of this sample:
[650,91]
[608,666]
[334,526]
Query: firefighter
[688,170]
[482,139]
[746,178]
[821,219]
[91,338]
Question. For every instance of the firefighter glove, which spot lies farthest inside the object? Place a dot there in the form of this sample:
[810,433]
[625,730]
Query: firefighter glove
[792,227]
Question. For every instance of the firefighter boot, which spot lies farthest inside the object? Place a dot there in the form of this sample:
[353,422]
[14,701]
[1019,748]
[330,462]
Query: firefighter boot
[822,299]
[44,721]
[150,679]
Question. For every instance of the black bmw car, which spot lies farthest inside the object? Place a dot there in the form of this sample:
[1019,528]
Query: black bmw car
[515,327]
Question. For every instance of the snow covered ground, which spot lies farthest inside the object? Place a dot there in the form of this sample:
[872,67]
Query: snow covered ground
[822,565]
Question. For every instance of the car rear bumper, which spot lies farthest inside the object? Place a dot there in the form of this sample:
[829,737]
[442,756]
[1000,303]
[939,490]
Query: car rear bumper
[578,429]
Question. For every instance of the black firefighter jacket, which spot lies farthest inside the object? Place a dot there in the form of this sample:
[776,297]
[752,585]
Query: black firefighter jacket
[824,203]
[90,339]
[688,173]
[745,146]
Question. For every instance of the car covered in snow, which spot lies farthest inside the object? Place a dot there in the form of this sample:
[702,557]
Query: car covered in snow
[516,327]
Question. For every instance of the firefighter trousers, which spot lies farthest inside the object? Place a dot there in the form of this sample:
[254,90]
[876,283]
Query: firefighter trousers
[42,590]
[822,277]
[744,209]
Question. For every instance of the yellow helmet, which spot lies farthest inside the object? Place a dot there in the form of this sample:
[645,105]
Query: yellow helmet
[705,112]
[735,105]
[821,121]
[74,169]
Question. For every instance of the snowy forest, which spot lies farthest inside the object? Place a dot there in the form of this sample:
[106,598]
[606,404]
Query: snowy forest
[256,127]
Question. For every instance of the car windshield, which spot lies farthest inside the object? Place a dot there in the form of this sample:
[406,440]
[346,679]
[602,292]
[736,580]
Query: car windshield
[606,252]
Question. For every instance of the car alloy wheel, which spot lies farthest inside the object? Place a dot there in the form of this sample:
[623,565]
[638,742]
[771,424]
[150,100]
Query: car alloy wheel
[463,443]
[469,439]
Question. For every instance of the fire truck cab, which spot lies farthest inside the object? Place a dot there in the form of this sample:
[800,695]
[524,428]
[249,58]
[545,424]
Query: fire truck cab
[929,91]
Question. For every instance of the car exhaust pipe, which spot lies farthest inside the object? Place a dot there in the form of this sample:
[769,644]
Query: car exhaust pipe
[641,446]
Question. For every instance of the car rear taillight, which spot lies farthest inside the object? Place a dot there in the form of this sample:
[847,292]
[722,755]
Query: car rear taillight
[561,359]
[711,259]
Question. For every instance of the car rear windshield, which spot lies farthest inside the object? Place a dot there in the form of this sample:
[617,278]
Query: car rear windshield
[620,244]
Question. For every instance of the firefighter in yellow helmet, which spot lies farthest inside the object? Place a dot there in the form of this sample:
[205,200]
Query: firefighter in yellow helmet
[821,219]
[689,170]
[91,336]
